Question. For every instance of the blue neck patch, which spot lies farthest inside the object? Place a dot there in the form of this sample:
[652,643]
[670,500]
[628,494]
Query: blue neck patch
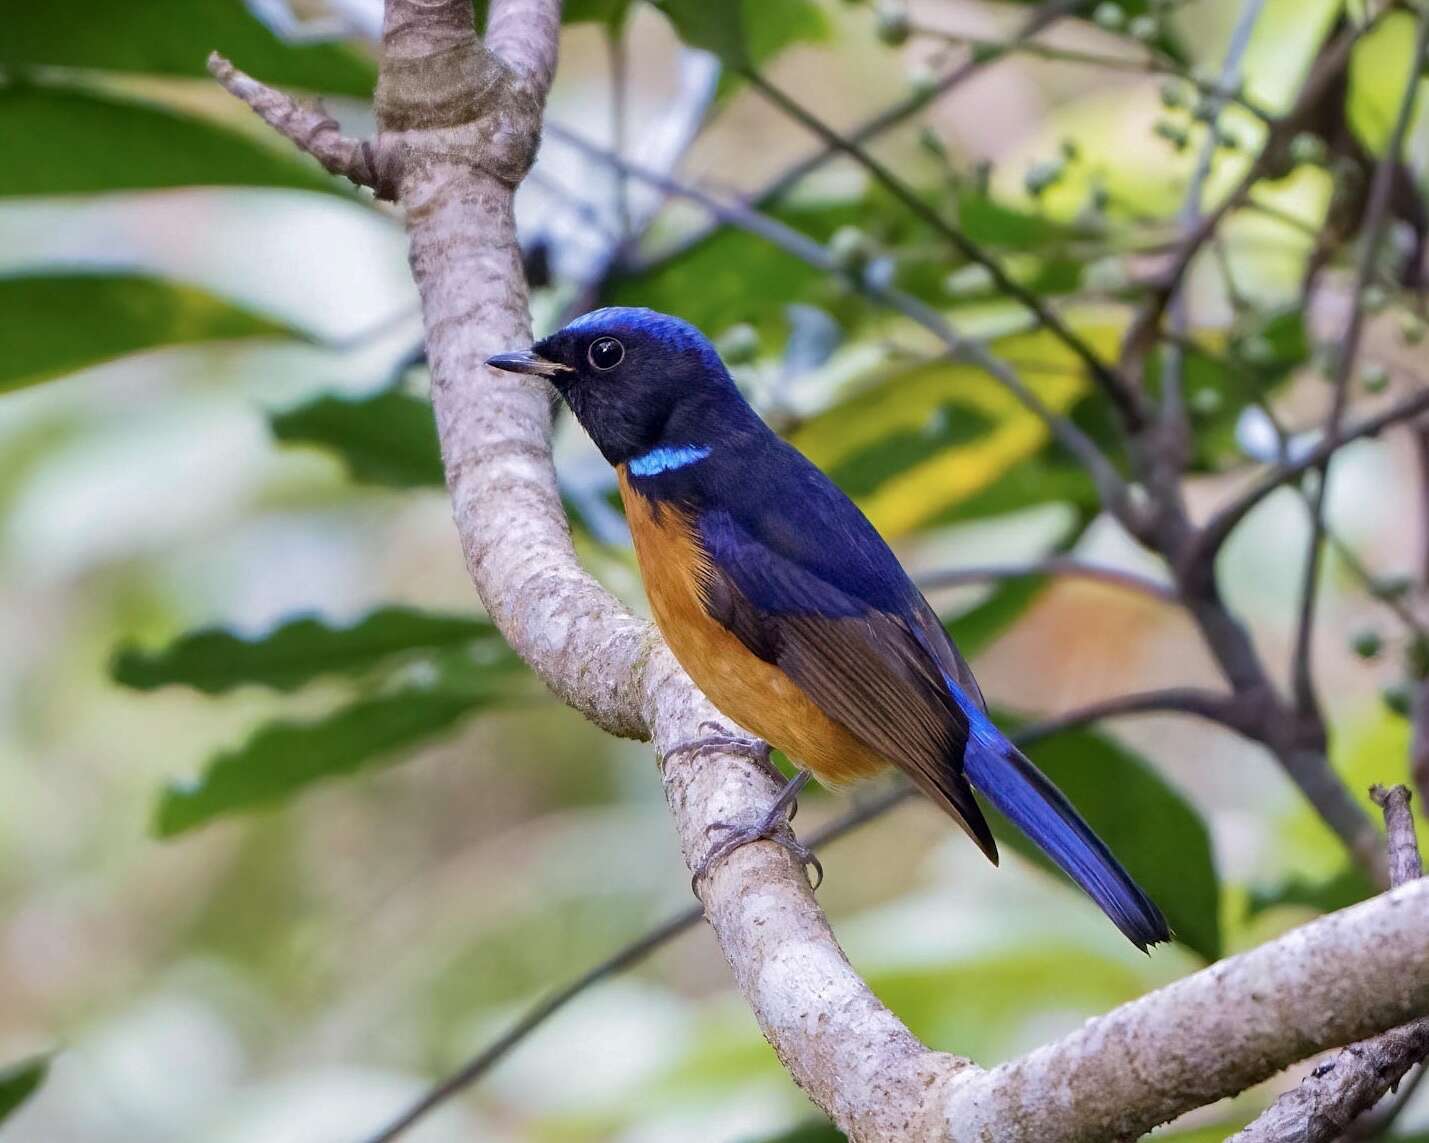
[666,459]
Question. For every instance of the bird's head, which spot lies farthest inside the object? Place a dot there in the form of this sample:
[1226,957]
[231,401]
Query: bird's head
[635,379]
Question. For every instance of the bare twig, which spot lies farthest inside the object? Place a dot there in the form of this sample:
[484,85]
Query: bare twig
[1220,526]
[1336,1093]
[1376,219]
[1054,566]
[1142,334]
[1127,401]
[1175,427]
[1227,91]
[310,128]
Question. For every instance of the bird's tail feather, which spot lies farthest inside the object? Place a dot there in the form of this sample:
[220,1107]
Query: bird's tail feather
[1029,799]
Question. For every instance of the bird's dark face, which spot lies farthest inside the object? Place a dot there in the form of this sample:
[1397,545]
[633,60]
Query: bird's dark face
[635,379]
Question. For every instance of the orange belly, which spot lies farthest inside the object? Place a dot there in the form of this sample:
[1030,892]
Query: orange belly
[756,694]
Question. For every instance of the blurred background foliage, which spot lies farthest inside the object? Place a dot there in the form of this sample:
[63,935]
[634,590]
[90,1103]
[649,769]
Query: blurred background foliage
[286,831]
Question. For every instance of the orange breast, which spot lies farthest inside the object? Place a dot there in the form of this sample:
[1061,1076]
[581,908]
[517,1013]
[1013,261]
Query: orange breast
[756,694]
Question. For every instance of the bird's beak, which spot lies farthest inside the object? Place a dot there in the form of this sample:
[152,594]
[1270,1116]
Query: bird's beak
[528,362]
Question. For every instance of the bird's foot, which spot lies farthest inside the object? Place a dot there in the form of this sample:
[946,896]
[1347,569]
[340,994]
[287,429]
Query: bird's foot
[773,826]
[756,750]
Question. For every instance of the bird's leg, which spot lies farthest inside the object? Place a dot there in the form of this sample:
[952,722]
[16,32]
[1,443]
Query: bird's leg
[773,826]
[756,750]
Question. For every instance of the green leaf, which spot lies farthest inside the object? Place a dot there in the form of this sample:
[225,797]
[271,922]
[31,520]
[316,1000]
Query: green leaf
[59,323]
[19,1081]
[920,443]
[1146,823]
[283,758]
[214,660]
[388,438]
[174,37]
[1381,65]
[744,33]
[1347,887]
[68,141]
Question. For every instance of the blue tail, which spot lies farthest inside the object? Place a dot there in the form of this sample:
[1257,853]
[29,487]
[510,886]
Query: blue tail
[1027,797]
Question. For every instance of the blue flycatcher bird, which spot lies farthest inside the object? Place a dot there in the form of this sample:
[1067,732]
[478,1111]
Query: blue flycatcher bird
[787,608]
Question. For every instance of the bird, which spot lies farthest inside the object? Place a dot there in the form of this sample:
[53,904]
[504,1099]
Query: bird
[786,607]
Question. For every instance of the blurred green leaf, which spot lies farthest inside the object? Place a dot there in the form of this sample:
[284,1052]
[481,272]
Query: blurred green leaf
[387,438]
[1347,887]
[1151,828]
[919,442]
[283,758]
[744,33]
[19,1081]
[1380,67]
[174,37]
[66,141]
[59,323]
[215,660]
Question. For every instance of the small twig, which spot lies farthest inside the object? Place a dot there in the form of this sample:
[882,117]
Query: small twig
[1336,1093]
[1376,219]
[310,128]
[1127,401]
[1054,566]
[865,811]
[1151,64]
[1141,335]
[1174,423]
[615,50]
[1220,526]
[1419,740]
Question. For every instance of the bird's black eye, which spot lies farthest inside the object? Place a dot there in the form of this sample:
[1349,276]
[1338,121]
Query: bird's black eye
[605,353]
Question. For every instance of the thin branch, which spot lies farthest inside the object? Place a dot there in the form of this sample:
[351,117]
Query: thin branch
[1419,705]
[865,810]
[1220,526]
[1141,335]
[1376,220]
[1336,1093]
[1055,566]
[1126,400]
[1150,64]
[1174,424]
[1109,483]
[308,127]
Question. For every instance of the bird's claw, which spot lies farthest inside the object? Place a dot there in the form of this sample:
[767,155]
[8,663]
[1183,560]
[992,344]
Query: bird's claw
[774,826]
[756,750]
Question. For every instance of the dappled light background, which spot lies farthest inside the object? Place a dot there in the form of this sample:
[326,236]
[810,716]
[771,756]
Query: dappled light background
[300,971]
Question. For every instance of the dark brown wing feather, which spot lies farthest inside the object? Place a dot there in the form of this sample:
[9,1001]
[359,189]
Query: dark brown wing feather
[869,673]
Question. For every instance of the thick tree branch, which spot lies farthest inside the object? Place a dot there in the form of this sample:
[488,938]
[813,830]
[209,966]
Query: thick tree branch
[459,122]
[1336,1093]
